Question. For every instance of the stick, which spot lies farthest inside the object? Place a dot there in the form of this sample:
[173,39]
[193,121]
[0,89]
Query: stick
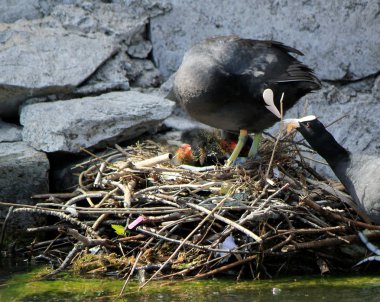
[9,214]
[182,243]
[349,239]
[76,249]
[199,247]
[154,160]
[334,216]
[227,221]
[88,229]
[224,268]
[277,139]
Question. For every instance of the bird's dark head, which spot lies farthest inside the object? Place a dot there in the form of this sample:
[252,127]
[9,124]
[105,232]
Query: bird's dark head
[309,126]
[318,138]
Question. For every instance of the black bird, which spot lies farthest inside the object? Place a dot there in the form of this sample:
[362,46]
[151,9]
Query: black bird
[237,85]
[359,173]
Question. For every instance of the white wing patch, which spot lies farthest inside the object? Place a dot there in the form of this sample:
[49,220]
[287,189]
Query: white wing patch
[268,99]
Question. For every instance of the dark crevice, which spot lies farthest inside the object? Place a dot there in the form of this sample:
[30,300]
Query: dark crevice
[148,37]
[343,82]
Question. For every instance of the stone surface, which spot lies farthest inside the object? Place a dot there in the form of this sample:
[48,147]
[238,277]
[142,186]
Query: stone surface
[112,19]
[37,61]
[339,39]
[92,121]
[24,172]
[11,11]
[140,50]
[142,73]
[67,45]
[10,132]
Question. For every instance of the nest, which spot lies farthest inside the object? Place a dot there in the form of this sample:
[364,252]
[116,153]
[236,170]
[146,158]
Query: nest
[136,213]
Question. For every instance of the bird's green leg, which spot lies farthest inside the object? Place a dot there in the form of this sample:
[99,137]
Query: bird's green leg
[243,135]
[255,145]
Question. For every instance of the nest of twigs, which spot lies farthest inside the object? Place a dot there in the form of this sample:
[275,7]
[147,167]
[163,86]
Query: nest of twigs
[136,213]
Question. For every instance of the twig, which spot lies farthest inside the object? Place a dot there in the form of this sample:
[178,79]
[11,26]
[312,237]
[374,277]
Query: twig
[81,197]
[130,273]
[85,240]
[277,139]
[344,198]
[335,216]
[224,268]
[153,161]
[199,247]
[9,214]
[76,249]
[327,242]
[227,221]
[88,229]
[182,243]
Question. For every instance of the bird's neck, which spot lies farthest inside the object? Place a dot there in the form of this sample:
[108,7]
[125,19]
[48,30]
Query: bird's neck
[330,150]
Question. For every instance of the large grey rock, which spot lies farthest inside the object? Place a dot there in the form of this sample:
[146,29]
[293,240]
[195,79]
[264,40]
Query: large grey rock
[92,121]
[65,48]
[40,61]
[11,11]
[14,10]
[109,18]
[9,132]
[24,172]
[340,39]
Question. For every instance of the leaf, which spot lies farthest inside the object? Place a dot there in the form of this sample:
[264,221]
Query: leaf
[119,229]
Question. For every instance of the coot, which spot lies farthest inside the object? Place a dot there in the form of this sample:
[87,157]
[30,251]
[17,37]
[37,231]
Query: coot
[359,173]
[237,84]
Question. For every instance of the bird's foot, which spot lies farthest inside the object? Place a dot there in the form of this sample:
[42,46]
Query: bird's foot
[241,141]
[255,145]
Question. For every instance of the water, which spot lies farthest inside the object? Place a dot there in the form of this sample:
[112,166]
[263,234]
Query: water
[27,287]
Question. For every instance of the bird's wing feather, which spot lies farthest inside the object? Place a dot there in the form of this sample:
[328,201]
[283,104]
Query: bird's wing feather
[298,72]
[284,47]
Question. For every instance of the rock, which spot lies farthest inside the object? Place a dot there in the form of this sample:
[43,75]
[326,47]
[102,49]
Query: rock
[110,76]
[142,73]
[65,48]
[140,50]
[10,132]
[24,172]
[92,121]
[11,11]
[40,61]
[339,40]
[100,88]
[112,19]
[166,87]
[180,120]
[376,89]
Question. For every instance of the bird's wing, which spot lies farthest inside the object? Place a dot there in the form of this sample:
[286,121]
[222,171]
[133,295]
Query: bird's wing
[298,72]
[293,70]
[283,47]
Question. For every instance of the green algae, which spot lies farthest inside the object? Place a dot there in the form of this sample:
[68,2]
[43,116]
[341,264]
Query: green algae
[28,287]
